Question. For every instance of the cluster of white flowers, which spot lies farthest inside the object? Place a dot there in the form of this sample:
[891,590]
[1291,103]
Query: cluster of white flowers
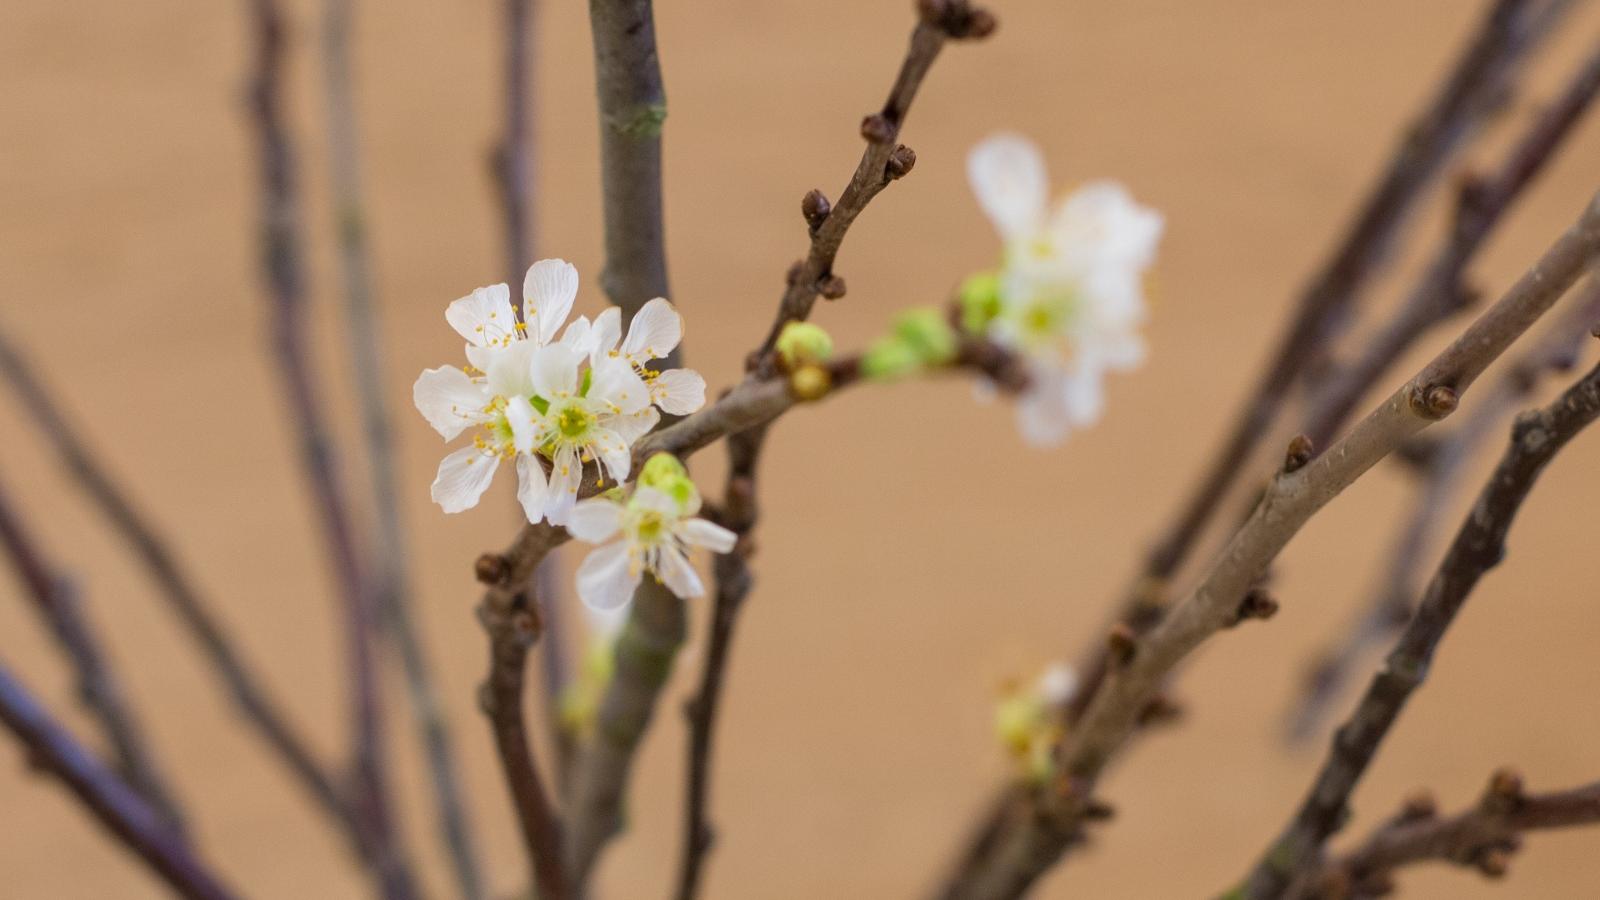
[551,405]
[1069,293]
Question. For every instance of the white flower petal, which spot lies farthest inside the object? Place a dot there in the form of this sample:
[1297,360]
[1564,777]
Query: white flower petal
[531,488]
[1102,217]
[648,498]
[673,568]
[509,369]
[449,400]
[606,332]
[566,476]
[1043,416]
[595,520]
[655,331]
[484,317]
[701,533]
[1007,173]
[463,477]
[547,294]
[634,426]
[524,421]
[553,371]
[607,577]
[1057,685]
[678,391]
[616,383]
[613,453]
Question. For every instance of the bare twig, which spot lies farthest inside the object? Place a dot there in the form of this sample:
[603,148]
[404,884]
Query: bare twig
[1050,823]
[1475,89]
[510,614]
[1445,458]
[176,585]
[734,581]
[389,553]
[1478,547]
[1481,203]
[122,811]
[883,161]
[284,274]
[1483,837]
[58,604]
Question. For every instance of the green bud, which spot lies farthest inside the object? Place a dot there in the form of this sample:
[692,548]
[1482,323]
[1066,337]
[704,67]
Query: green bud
[665,473]
[928,335]
[888,359]
[803,342]
[980,301]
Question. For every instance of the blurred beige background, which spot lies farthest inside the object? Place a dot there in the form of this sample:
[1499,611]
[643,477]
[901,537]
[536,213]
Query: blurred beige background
[915,554]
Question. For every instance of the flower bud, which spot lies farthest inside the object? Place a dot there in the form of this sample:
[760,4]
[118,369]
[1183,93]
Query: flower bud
[802,342]
[889,359]
[665,473]
[928,335]
[980,301]
[810,382]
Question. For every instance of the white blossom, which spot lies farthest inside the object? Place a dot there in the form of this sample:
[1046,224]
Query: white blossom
[1070,291]
[651,532]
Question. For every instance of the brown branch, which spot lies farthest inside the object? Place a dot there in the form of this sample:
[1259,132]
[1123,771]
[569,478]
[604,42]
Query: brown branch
[1483,837]
[1481,204]
[389,577]
[883,161]
[58,603]
[283,269]
[1475,89]
[176,585]
[510,615]
[733,582]
[1036,841]
[1391,603]
[123,811]
[1478,547]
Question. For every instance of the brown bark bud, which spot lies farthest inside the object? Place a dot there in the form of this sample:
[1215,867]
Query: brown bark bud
[1299,453]
[815,207]
[491,568]
[831,287]
[901,161]
[877,129]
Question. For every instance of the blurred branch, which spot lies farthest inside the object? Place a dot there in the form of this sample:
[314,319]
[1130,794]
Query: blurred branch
[1481,203]
[1472,93]
[1440,471]
[389,552]
[58,604]
[1483,838]
[123,812]
[1035,840]
[1478,547]
[283,270]
[510,615]
[177,587]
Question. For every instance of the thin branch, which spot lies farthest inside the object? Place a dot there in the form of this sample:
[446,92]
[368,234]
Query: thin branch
[1444,460]
[58,604]
[510,615]
[283,269]
[389,552]
[1473,92]
[734,581]
[1051,822]
[176,585]
[123,812]
[1483,837]
[883,161]
[1478,547]
[1481,203]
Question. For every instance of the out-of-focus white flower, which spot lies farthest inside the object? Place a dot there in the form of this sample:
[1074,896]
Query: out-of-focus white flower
[552,406]
[651,530]
[1028,719]
[1069,293]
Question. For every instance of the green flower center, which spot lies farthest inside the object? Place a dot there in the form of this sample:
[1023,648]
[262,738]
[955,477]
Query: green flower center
[651,527]
[574,421]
